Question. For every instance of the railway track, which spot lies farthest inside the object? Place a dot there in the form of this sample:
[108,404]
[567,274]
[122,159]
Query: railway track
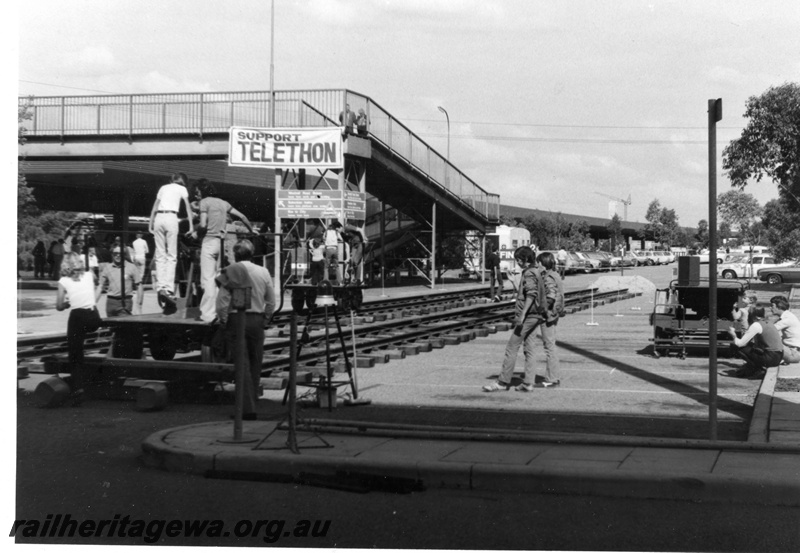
[383,329]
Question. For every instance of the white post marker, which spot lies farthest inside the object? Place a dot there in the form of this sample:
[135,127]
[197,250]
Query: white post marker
[618,313]
[591,308]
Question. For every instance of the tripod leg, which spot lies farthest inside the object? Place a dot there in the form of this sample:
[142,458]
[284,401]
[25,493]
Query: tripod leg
[347,365]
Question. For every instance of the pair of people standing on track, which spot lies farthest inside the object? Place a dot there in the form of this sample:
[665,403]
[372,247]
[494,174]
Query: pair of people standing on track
[539,304]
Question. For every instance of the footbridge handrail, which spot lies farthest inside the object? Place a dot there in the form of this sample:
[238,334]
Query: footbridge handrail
[204,113]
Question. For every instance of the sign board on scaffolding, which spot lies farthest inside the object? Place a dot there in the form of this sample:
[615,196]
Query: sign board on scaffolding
[355,205]
[309,204]
[283,148]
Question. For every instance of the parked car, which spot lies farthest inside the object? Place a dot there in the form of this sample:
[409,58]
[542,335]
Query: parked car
[581,263]
[614,258]
[630,259]
[661,257]
[776,275]
[648,257]
[570,266]
[741,267]
[705,255]
[637,258]
[599,261]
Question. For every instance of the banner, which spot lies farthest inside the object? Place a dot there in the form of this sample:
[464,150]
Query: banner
[301,148]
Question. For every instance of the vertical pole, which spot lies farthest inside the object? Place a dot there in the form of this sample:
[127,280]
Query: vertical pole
[714,115]
[433,247]
[272,67]
[482,259]
[276,261]
[291,440]
[383,245]
[241,348]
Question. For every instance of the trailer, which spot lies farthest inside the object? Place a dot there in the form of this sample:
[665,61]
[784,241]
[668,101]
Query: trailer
[680,317]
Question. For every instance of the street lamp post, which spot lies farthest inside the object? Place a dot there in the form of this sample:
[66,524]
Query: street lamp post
[448,130]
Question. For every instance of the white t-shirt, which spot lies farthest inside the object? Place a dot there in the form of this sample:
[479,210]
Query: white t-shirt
[331,238]
[79,293]
[140,248]
[789,325]
[170,196]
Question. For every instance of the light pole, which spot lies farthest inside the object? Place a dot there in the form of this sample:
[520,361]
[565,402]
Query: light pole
[448,130]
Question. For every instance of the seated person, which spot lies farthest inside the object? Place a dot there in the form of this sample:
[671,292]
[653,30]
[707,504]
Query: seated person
[761,346]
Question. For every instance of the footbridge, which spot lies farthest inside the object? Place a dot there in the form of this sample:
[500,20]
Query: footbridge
[111,153]
[127,144]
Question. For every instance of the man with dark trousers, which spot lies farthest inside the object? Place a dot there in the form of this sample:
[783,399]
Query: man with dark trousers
[246,274]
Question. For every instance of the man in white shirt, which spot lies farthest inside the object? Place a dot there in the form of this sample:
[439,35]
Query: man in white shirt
[789,325]
[164,227]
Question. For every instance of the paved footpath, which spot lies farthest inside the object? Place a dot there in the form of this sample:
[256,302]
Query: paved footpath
[763,470]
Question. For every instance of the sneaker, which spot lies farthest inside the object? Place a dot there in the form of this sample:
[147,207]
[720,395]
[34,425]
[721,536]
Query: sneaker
[524,387]
[548,384]
[167,299]
[496,387]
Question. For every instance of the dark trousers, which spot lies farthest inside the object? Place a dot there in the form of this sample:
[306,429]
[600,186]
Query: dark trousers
[759,358]
[253,354]
[117,307]
[79,324]
[38,267]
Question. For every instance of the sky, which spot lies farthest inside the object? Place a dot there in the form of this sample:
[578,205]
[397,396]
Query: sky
[553,104]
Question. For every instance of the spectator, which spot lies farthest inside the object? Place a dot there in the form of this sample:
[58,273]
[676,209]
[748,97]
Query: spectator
[561,259]
[761,346]
[742,313]
[56,255]
[528,315]
[164,227]
[214,214]
[362,123]
[316,250]
[355,240]
[76,290]
[245,274]
[495,276]
[39,259]
[789,326]
[332,237]
[119,300]
[93,263]
[347,119]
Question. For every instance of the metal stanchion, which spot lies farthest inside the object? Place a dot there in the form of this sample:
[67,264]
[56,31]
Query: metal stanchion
[240,302]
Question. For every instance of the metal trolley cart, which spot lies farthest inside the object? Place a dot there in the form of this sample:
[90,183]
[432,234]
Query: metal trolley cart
[680,316]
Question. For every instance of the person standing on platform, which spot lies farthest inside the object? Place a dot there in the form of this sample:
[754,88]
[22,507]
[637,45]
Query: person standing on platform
[362,123]
[246,274]
[528,316]
[214,214]
[76,290]
[761,346]
[347,119]
[332,237]
[164,228]
[316,250]
[355,240]
[118,304]
[789,326]
[554,305]
[495,276]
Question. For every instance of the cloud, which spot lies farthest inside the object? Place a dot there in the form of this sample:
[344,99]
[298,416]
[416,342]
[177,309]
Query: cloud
[725,76]
[92,61]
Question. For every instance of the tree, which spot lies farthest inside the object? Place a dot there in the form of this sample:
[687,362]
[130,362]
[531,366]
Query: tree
[782,228]
[741,210]
[770,143]
[614,227]
[701,236]
[32,223]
